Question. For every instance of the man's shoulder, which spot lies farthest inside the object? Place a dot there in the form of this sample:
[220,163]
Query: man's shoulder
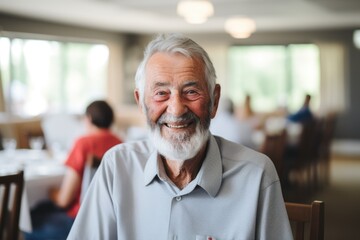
[239,158]
[228,147]
[238,153]
[129,153]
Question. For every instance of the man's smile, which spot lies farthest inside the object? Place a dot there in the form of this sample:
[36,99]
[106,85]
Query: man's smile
[177,126]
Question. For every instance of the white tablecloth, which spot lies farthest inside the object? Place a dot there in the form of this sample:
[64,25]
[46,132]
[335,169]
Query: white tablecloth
[42,172]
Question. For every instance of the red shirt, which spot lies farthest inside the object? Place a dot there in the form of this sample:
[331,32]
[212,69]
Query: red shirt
[93,144]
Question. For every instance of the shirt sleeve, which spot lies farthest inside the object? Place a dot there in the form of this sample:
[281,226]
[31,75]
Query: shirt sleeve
[273,222]
[96,218]
[77,156]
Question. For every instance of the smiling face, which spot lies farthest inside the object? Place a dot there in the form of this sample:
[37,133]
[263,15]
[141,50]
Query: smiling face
[177,104]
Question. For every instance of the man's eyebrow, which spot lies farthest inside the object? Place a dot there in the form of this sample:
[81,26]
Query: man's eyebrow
[186,84]
[191,83]
[160,84]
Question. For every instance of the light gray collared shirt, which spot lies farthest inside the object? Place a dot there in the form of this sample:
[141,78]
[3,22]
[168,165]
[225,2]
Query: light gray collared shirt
[236,195]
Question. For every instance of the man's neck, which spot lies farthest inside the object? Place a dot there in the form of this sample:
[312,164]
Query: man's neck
[182,173]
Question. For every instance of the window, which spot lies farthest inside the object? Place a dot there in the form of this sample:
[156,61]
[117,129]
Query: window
[41,76]
[274,75]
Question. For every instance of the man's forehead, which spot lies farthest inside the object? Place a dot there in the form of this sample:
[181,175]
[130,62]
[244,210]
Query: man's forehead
[173,56]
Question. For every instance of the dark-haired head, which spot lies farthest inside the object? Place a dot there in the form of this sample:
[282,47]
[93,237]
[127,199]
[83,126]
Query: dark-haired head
[100,114]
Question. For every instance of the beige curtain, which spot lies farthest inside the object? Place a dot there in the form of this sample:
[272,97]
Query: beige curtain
[332,77]
[2,99]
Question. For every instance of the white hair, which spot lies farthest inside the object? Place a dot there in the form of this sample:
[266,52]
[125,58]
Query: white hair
[176,43]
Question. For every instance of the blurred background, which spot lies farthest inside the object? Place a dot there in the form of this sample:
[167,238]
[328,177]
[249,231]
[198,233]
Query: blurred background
[57,56]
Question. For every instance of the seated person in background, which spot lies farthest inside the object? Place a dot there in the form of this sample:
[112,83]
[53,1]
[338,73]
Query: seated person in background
[304,114]
[301,132]
[53,220]
[226,125]
[246,110]
[182,182]
[247,114]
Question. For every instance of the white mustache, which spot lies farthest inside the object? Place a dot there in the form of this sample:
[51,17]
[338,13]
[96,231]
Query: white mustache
[171,118]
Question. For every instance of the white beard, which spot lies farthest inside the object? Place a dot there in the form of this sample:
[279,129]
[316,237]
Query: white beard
[181,146]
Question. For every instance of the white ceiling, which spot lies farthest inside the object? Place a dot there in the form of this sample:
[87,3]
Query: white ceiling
[150,16]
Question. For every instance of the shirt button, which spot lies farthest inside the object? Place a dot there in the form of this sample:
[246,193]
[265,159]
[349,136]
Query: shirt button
[178,198]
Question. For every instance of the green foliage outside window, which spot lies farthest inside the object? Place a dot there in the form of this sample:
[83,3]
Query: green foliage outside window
[275,76]
[40,76]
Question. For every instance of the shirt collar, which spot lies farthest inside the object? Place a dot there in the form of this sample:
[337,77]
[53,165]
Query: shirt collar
[151,168]
[210,173]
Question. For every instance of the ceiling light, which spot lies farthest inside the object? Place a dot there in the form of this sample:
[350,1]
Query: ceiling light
[240,27]
[195,11]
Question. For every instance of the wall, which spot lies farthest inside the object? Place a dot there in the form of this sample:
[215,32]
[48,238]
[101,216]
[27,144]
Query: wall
[216,44]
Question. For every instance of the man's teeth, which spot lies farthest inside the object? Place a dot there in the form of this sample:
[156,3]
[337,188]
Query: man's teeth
[177,126]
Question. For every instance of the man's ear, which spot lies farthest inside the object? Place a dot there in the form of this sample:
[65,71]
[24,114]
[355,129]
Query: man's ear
[137,98]
[217,93]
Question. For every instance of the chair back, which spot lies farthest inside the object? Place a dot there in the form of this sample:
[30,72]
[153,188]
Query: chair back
[311,215]
[307,140]
[274,147]
[91,166]
[11,189]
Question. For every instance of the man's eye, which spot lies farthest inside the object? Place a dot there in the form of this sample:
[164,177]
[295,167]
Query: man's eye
[160,95]
[191,92]
[191,95]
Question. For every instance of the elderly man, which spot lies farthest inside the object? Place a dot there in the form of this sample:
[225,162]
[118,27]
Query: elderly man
[182,183]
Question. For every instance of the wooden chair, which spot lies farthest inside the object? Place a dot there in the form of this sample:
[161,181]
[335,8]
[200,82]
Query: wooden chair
[274,147]
[328,124]
[311,215]
[91,166]
[10,199]
[301,158]
[33,134]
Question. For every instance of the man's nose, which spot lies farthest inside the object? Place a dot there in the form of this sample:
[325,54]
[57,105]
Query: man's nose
[176,105]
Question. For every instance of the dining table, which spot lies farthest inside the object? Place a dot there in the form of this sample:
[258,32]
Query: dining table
[42,171]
